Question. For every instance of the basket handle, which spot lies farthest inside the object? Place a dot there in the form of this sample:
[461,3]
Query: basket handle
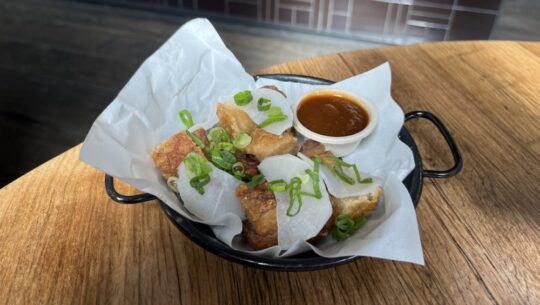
[458,161]
[124,199]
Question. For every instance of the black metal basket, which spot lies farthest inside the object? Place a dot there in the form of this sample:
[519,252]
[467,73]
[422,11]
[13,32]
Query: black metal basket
[203,236]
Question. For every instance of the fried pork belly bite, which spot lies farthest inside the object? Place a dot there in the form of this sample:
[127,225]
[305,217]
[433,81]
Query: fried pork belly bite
[355,206]
[264,144]
[260,226]
[257,241]
[250,163]
[170,153]
[234,120]
[312,148]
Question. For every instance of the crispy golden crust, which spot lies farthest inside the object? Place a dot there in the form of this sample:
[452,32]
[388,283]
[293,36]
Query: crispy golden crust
[357,206]
[264,144]
[260,206]
[169,154]
[256,241]
[312,148]
[260,227]
[234,120]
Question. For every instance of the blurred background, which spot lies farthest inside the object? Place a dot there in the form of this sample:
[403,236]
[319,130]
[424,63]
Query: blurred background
[62,62]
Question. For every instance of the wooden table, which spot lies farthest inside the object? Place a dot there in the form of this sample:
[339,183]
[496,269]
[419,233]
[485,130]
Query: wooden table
[63,241]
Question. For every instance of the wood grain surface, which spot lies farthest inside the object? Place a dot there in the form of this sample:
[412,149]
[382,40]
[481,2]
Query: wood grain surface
[63,241]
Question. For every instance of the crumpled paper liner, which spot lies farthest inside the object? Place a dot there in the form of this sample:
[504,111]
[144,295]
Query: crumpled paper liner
[195,70]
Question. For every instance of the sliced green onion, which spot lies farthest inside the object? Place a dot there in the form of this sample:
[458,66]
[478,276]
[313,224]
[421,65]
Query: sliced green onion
[186,118]
[197,164]
[344,222]
[344,226]
[228,156]
[218,135]
[238,169]
[277,186]
[219,161]
[359,223]
[305,178]
[294,195]
[339,235]
[275,114]
[243,98]
[314,174]
[356,172]
[198,182]
[366,180]
[272,120]
[256,180]
[200,169]
[338,171]
[196,140]
[275,111]
[242,141]
[226,146]
[359,179]
[264,104]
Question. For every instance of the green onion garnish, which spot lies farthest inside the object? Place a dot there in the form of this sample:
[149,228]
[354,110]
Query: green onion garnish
[222,150]
[275,114]
[198,182]
[305,178]
[243,98]
[226,146]
[238,169]
[218,135]
[228,156]
[256,180]
[337,169]
[200,169]
[219,162]
[196,140]
[197,164]
[294,195]
[242,140]
[366,180]
[277,186]
[264,104]
[223,159]
[186,118]
[344,226]
[314,175]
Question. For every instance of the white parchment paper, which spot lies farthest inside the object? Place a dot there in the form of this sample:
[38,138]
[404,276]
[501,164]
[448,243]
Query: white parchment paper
[195,70]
